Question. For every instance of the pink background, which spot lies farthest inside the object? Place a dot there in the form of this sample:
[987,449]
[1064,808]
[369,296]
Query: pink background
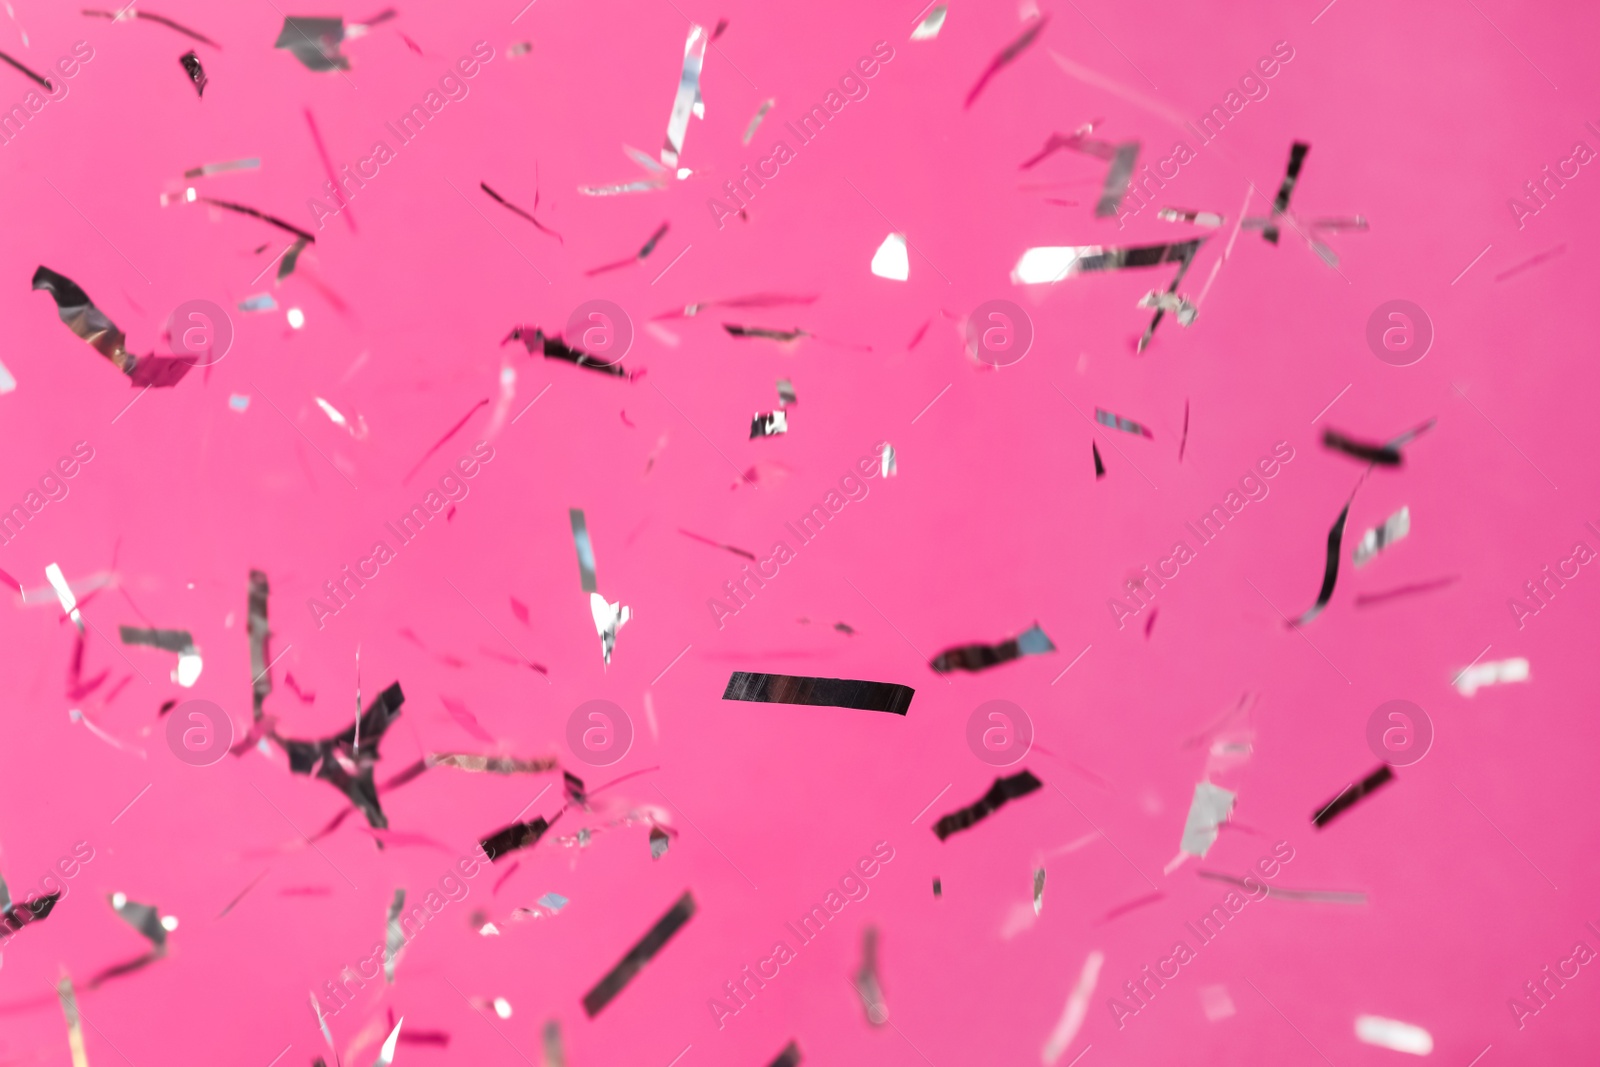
[1423,119]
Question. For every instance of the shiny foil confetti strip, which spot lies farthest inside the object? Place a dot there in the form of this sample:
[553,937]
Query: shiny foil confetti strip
[1004,790]
[1372,542]
[819,692]
[645,950]
[1031,642]
[1351,795]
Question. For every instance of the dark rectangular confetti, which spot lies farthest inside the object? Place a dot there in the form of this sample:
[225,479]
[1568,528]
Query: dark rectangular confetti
[820,692]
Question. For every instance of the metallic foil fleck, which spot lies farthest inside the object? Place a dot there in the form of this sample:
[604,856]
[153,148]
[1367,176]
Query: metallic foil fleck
[1470,680]
[1374,541]
[1351,795]
[1172,302]
[930,25]
[608,619]
[735,330]
[1208,809]
[463,761]
[1000,793]
[554,1054]
[1330,570]
[38,79]
[69,603]
[1280,205]
[1038,890]
[580,537]
[394,936]
[1052,263]
[555,348]
[1183,214]
[790,1056]
[518,835]
[785,392]
[688,99]
[514,209]
[127,13]
[346,763]
[1099,467]
[179,641]
[1117,422]
[1382,455]
[314,42]
[1032,642]
[769,424]
[766,106]
[208,169]
[658,842]
[1007,55]
[197,73]
[867,984]
[260,673]
[1117,176]
[642,953]
[69,1008]
[86,320]
[819,692]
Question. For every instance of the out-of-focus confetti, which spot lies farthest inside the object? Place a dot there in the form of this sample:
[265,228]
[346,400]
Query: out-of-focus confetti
[1316,896]
[314,42]
[755,122]
[197,73]
[518,835]
[515,210]
[1047,264]
[555,348]
[867,984]
[658,842]
[789,1057]
[1183,214]
[179,641]
[931,24]
[1006,55]
[386,1054]
[1099,466]
[394,935]
[1393,1034]
[890,260]
[69,1008]
[1031,642]
[688,101]
[346,759]
[128,13]
[271,220]
[1280,204]
[1215,1002]
[1004,790]
[39,79]
[1382,455]
[1352,794]
[641,953]
[259,302]
[1330,572]
[769,424]
[1076,1011]
[1038,890]
[1207,811]
[86,320]
[1178,305]
[643,253]
[554,1054]
[1117,175]
[1475,677]
[475,764]
[1117,422]
[1376,540]
[785,392]
[819,692]
[208,169]
[886,462]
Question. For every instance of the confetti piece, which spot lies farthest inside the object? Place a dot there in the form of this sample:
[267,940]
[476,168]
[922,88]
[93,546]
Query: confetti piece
[1207,810]
[688,99]
[785,392]
[819,692]
[1122,164]
[1394,528]
[1185,442]
[642,953]
[208,169]
[37,78]
[938,889]
[440,443]
[1182,214]
[8,384]
[1473,678]
[1117,422]
[271,220]
[69,603]
[475,764]
[125,14]
[1038,890]
[1076,1011]
[69,1008]
[1320,896]
[314,42]
[1032,642]
[1330,573]
[197,74]
[761,113]
[890,260]
[658,842]
[1007,55]
[1048,264]
[346,763]
[1352,794]
[1004,789]
[518,835]
[1383,455]
[768,424]
[789,1057]
[386,1054]
[259,302]
[555,348]
[1280,204]
[1393,1034]
[1099,467]
[931,24]
[718,544]
[514,209]
[867,984]
[179,641]
[84,319]
[886,462]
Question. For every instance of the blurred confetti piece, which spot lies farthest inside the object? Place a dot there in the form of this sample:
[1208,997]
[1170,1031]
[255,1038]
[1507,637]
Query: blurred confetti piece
[931,24]
[1330,570]
[890,260]
[314,42]
[386,1054]
[1117,175]
[1032,642]
[514,209]
[518,835]
[179,641]
[608,619]
[886,463]
[1470,680]
[1351,795]
[688,99]
[286,266]
[271,220]
[1376,540]
[1006,55]
[394,936]
[1117,422]
[554,1054]
[785,392]
[1099,467]
[1038,890]
[1207,810]
[208,169]
[259,302]
[1199,218]
[642,952]
[197,73]
[768,424]
[127,13]
[1076,1011]
[658,842]
[938,889]
[7,382]
[84,319]
[819,692]
[1215,1002]
[69,603]
[36,78]
[867,984]
[1004,790]
[491,764]
[1384,455]
[761,113]
[69,1008]
[1393,1034]
[789,1057]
